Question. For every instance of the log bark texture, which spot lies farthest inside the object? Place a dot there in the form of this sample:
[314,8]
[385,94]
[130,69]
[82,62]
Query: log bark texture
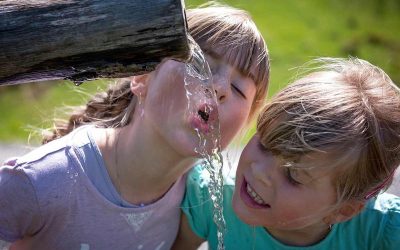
[87,39]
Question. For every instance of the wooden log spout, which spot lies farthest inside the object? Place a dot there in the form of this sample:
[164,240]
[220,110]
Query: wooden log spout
[87,39]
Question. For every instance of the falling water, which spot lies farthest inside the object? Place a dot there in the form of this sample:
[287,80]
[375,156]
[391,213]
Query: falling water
[199,89]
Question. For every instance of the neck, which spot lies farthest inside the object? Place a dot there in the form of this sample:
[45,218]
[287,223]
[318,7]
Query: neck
[142,167]
[301,237]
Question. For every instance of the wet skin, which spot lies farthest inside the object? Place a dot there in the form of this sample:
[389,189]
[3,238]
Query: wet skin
[165,105]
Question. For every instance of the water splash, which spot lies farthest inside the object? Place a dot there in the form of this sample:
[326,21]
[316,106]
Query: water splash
[199,90]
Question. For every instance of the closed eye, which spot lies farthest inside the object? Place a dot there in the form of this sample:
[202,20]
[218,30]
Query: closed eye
[289,175]
[238,91]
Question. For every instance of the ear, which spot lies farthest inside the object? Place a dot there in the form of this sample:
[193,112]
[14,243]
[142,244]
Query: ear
[346,211]
[139,85]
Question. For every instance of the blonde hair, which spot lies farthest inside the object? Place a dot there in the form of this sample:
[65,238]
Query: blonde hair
[229,29]
[345,105]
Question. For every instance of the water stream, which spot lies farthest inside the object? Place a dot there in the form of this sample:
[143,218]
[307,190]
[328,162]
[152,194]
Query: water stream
[199,90]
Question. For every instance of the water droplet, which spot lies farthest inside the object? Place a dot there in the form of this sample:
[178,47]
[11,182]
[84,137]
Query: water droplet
[77,82]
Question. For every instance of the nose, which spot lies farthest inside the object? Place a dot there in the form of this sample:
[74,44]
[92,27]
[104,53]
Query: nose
[262,173]
[221,84]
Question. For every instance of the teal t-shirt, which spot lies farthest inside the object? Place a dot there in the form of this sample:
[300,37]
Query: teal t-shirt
[376,227]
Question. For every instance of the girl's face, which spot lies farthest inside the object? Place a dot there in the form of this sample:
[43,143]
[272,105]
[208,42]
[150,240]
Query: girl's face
[280,198]
[235,94]
[166,104]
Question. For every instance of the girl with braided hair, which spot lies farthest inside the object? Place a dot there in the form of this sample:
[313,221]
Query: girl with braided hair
[113,176]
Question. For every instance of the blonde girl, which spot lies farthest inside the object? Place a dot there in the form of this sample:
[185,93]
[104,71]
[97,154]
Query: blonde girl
[311,177]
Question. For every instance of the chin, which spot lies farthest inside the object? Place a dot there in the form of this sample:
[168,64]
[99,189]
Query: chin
[198,150]
[245,216]
[183,143]
[187,151]
[240,209]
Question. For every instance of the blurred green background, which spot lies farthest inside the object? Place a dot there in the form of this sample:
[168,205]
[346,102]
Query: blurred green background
[295,30]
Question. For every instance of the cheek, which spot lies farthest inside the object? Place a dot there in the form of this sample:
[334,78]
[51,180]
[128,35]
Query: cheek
[290,215]
[169,78]
[300,210]
[166,92]
[247,157]
[232,120]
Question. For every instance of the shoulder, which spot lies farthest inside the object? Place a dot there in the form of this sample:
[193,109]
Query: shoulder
[56,148]
[386,203]
[39,162]
[387,206]
[385,210]
[53,158]
[18,204]
[378,224]
[50,170]
[43,161]
[41,152]
[198,176]
[198,206]
[28,186]
[199,180]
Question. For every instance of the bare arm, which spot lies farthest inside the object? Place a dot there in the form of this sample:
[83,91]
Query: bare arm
[186,239]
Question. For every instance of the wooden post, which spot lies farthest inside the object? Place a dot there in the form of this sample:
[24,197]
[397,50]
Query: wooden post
[87,39]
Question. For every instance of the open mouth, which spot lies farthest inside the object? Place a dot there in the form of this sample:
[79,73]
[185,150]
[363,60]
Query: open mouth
[254,195]
[204,115]
[207,113]
[205,118]
[251,198]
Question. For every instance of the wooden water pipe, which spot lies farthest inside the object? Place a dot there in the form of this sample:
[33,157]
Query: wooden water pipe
[87,39]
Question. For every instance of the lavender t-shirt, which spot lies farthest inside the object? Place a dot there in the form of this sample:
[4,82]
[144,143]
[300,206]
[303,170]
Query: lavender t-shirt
[48,201]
